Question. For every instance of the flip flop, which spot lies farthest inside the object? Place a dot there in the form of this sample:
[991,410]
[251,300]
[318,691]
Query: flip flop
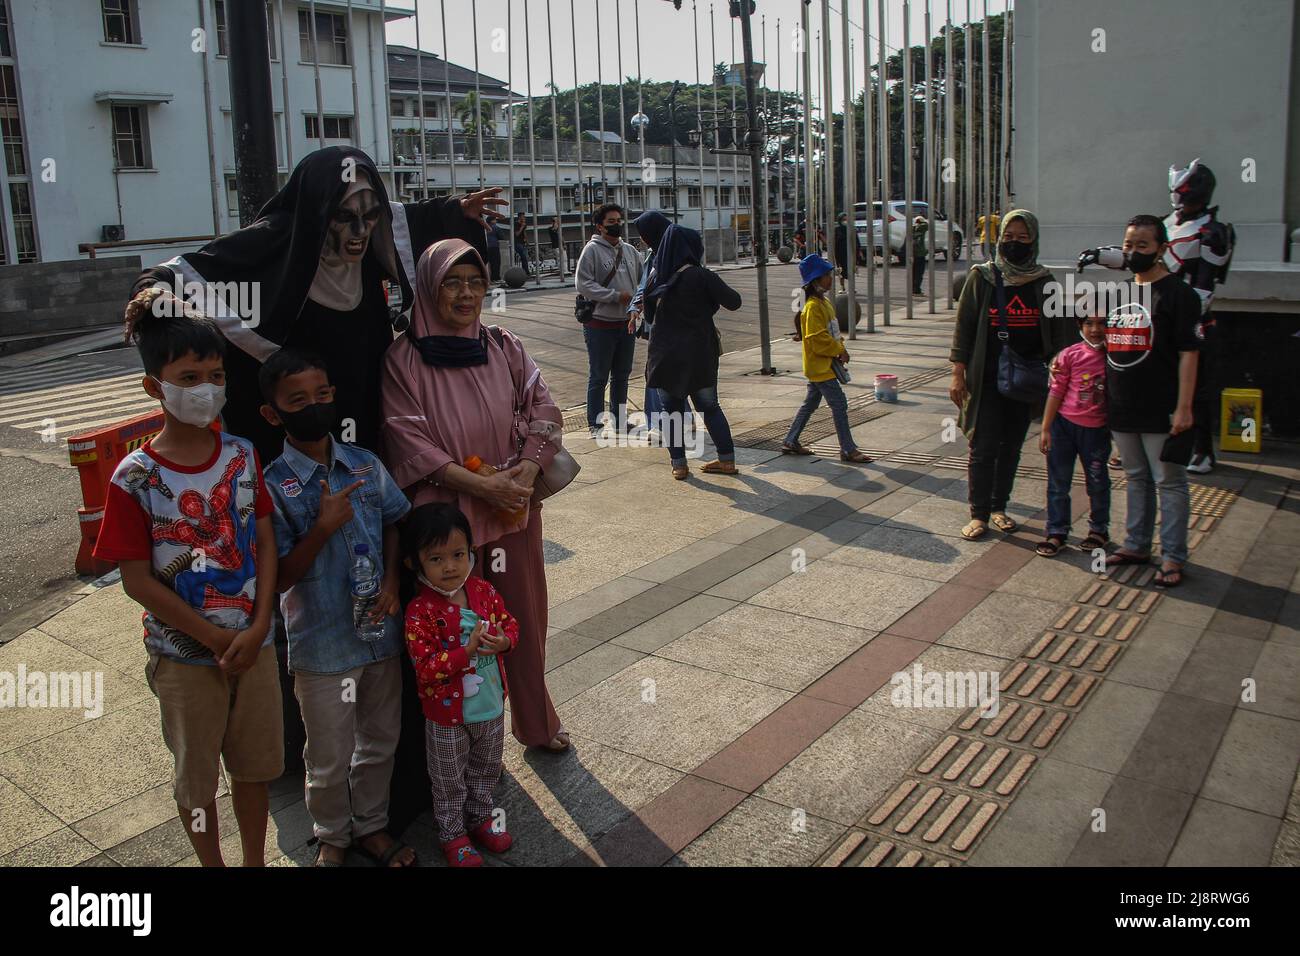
[1093,542]
[1004,524]
[1162,578]
[322,862]
[1119,559]
[385,858]
[975,530]
[796,450]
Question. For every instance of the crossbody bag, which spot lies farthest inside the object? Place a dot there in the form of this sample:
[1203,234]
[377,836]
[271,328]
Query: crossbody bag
[1019,379]
[584,309]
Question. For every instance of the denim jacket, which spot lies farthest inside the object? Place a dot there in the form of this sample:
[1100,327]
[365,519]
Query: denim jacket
[318,609]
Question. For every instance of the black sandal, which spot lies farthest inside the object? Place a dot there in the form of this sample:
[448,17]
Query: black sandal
[1094,541]
[1163,578]
[1051,546]
[1119,559]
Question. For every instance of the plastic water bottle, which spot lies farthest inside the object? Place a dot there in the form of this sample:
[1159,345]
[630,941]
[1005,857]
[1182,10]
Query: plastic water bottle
[365,588]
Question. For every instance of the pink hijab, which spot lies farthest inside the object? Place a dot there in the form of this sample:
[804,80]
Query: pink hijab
[436,415]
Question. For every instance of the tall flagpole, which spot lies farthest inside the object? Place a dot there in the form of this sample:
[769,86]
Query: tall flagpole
[600,106]
[986,153]
[700,149]
[315,62]
[446,89]
[949,88]
[909,164]
[735,167]
[717,157]
[828,117]
[478,97]
[780,137]
[534,197]
[868,105]
[850,175]
[809,196]
[885,192]
[388,100]
[968,98]
[510,117]
[621,194]
[577,117]
[1004,160]
[555,124]
[419,92]
[929,157]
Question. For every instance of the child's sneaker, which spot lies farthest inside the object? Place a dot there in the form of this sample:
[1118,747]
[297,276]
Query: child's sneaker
[490,840]
[460,852]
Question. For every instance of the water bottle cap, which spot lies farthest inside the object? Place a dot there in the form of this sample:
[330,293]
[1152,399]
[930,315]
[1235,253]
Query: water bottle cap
[361,549]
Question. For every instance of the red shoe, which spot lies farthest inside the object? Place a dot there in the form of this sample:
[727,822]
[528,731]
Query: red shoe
[460,853]
[489,840]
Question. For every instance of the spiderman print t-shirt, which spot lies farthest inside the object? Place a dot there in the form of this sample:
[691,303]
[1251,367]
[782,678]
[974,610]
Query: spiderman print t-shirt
[197,526]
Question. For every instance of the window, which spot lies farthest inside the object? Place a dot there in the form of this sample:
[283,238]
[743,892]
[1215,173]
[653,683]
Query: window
[567,199]
[636,197]
[331,38]
[120,21]
[220,18]
[20,200]
[336,127]
[693,197]
[726,195]
[522,201]
[745,199]
[129,145]
[232,196]
[652,197]
[6,45]
[397,106]
[10,124]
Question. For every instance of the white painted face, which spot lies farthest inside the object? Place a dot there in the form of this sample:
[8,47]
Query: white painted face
[351,225]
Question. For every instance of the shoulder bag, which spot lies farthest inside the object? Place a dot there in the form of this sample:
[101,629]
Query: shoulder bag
[584,309]
[1019,379]
[564,467]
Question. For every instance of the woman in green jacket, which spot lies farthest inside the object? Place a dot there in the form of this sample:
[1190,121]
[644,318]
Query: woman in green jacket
[995,426]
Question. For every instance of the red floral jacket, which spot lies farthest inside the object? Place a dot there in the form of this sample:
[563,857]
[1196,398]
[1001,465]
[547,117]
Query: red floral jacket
[433,641]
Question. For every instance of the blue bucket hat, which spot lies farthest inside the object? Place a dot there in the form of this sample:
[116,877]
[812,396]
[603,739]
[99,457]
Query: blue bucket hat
[813,267]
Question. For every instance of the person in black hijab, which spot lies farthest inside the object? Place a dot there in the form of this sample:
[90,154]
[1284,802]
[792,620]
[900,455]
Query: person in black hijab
[318,269]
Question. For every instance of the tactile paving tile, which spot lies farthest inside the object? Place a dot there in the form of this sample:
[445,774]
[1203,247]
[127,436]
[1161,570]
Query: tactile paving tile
[921,815]
[1215,502]
[857,848]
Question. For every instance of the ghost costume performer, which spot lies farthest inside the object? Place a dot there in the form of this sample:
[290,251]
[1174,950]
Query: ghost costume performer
[302,285]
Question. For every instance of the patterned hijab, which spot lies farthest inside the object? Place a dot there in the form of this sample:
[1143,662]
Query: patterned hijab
[1013,274]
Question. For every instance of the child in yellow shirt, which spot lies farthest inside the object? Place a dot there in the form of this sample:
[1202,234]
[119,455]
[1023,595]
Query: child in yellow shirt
[820,348]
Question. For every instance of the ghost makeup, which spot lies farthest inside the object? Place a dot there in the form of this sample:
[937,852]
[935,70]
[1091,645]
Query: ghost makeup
[352,224]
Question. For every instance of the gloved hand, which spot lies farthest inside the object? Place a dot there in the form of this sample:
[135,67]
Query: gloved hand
[1112,257]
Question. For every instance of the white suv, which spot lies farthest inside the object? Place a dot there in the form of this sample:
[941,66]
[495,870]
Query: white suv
[898,229]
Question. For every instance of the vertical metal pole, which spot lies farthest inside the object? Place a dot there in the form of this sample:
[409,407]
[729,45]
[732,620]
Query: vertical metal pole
[1004,159]
[352,70]
[850,175]
[388,100]
[757,193]
[478,98]
[909,162]
[315,62]
[699,119]
[809,196]
[868,105]
[214,183]
[780,137]
[622,115]
[577,112]
[968,97]
[929,157]
[446,74]
[828,117]
[735,168]
[419,92]
[555,123]
[509,259]
[950,144]
[986,153]
[884,164]
[600,105]
[284,85]
[717,157]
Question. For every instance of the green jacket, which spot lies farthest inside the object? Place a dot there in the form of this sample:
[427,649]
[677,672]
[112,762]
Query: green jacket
[918,237]
[970,337]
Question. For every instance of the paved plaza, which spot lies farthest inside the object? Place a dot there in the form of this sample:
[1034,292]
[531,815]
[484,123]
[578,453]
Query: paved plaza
[721,650]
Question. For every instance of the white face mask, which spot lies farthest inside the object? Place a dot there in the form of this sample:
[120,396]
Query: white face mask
[449,594]
[198,405]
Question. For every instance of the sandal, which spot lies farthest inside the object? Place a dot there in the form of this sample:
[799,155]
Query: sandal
[323,862]
[682,473]
[975,530]
[460,853]
[795,449]
[386,857]
[1050,546]
[1169,578]
[1094,541]
[1121,558]
[1004,524]
[856,455]
[721,468]
[562,736]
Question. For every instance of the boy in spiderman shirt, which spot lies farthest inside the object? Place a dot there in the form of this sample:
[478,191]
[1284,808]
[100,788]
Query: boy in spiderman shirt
[188,520]
[456,626]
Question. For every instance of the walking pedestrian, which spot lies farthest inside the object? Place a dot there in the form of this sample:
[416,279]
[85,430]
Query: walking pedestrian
[521,241]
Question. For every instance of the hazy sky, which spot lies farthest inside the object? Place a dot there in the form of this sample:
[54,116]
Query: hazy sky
[667,36]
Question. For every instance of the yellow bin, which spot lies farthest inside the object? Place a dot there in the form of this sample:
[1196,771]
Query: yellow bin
[1241,419]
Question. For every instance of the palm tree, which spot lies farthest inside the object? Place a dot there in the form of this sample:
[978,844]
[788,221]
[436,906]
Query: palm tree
[474,114]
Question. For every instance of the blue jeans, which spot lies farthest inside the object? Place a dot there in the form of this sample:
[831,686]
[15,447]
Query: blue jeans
[1150,478]
[521,252]
[1090,446]
[706,403]
[609,360]
[839,406]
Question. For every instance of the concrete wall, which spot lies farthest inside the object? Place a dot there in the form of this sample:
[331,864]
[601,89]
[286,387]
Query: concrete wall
[1097,132]
[45,298]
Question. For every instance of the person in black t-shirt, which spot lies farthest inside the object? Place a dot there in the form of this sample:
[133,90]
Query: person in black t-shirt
[1151,347]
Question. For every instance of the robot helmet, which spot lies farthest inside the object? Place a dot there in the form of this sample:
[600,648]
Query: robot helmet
[1193,185]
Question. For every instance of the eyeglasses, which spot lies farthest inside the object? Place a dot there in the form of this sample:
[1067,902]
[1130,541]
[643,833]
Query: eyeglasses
[476,285]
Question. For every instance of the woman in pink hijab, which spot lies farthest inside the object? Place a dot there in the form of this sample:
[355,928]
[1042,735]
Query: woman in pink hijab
[449,393]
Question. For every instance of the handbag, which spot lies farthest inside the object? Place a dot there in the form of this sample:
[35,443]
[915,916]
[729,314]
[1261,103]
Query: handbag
[1177,449]
[1019,379]
[564,467]
[584,309]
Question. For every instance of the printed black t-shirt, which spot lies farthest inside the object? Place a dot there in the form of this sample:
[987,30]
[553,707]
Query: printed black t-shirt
[1024,326]
[1143,342]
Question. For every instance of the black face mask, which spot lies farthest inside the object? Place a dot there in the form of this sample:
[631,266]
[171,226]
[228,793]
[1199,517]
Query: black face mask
[1017,253]
[614,231]
[1139,262]
[311,422]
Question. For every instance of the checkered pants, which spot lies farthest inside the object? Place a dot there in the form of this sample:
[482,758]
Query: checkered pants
[464,766]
